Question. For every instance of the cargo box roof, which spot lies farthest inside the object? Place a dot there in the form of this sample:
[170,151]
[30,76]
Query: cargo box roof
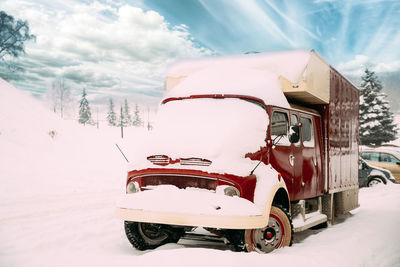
[302,75]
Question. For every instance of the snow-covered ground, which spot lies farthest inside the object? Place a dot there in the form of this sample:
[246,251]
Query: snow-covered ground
[58,195]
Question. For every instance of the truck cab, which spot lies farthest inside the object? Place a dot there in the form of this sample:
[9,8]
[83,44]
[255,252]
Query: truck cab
[242,148]
[286,157]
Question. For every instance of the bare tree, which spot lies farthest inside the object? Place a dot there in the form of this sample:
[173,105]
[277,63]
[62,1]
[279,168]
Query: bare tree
[13,34]
[59,95]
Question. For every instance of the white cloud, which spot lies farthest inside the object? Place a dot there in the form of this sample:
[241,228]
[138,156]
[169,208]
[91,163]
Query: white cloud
[388,67]
[357,66]
[98,44]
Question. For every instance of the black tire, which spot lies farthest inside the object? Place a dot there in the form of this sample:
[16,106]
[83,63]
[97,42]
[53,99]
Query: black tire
[278,233]
[150,236]
[374,181]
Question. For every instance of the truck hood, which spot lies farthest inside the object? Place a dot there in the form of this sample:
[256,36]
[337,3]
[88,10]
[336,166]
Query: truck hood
[221,131]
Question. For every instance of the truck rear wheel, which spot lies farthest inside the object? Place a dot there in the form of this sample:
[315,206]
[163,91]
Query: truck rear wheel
[278,233]
[150,235]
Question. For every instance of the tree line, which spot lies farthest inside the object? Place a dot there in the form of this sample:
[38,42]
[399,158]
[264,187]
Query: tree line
[122,119]
[59,95]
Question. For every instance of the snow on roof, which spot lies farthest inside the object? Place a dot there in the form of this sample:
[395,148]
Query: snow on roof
[289,63]
[253,75]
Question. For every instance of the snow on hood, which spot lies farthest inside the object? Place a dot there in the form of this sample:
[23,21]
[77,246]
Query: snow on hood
[220,130]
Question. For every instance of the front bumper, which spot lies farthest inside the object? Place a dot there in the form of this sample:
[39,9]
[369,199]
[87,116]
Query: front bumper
[191,208]
[186,219]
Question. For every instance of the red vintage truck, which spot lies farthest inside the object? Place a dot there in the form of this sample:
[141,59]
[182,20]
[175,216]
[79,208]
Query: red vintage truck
[251,148]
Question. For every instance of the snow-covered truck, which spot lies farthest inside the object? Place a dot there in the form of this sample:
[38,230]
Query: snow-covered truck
[251,148]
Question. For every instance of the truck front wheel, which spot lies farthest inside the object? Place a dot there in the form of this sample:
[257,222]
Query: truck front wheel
[278,233]
[150,235]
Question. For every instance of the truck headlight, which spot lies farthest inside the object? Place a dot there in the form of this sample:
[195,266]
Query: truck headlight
[228,190]
[132,187]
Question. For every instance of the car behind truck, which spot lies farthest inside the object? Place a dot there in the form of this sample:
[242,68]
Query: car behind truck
[251,148]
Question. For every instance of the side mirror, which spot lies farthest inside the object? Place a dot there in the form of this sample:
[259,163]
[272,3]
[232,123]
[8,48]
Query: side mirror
[294,134]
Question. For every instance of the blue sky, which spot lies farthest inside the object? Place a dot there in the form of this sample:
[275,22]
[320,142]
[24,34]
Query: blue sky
[338,30]
[121,48]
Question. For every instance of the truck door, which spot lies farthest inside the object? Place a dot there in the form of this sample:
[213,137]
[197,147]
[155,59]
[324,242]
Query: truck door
[284,156]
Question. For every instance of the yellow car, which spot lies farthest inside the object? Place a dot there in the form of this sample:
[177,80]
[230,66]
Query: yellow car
[386,158]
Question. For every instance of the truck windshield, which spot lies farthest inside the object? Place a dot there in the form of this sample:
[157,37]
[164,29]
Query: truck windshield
[209,128]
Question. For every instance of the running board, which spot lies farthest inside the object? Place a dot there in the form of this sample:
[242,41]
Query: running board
[203,237]
[302,221]
[312,219]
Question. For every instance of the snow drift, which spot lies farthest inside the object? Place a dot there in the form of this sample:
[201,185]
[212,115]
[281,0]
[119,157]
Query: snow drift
[57,203]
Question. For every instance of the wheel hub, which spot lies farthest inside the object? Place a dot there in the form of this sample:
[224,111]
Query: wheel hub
[268,238]
[269,234]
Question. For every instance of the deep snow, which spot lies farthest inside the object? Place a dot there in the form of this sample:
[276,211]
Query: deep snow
[58,195]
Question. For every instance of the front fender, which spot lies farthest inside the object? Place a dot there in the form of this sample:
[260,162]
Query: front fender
[269,185]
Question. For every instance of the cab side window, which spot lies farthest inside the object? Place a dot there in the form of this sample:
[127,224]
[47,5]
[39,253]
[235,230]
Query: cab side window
[307,132]
[280,127]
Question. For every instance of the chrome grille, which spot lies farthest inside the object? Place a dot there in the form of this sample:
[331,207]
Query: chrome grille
[159,160]
[164,160]
[195,161]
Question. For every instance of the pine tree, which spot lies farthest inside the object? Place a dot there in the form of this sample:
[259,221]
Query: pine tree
[111,115]
[121,118]
[127,119]
[137,121]
[85,116]
[376,120]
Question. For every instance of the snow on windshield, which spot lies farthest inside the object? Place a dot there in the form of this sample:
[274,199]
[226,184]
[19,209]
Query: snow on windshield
[220,130]
[223,79]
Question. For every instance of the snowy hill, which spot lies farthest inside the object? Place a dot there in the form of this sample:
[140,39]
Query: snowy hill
[58,194]
[52,154]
